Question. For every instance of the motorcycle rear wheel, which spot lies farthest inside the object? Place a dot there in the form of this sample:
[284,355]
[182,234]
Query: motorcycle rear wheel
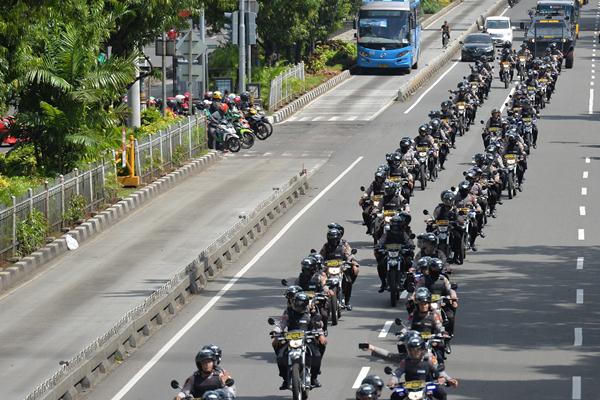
[262,131]
[233,144]
[247,140]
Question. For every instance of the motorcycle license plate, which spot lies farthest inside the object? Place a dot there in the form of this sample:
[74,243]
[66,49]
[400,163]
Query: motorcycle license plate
[527,119]
[333,270]
[543,80]
[310,293]
[395,178]
[333,263]
[422,149]
[294,335]
[426,335]
[435,297]
[530,88]
[389,213]
[414,385]
[376,197]
[493,129]
[392,246]
[464,210]
[510,156]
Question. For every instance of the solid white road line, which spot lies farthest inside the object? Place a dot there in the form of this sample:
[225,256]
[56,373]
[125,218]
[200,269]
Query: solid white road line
[591,102]
[582,210]
[386,328]
[576,394]
[578,337]
[579,296]
[585,174]
[579,262]
[505,10]
[431,87]
[165,349]
[364,371]
[580,234]
[506,100]
[584,191]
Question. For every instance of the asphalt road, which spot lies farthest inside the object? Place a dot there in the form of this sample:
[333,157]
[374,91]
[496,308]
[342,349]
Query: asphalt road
[363,97]
[527,326]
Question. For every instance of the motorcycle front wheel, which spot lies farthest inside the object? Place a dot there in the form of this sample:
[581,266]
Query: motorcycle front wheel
[233,144]
[423,177]
[261,131]
[296,382]
[393,285]
[247,140]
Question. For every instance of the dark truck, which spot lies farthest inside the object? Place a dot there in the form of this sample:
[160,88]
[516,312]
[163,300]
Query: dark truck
[542,31]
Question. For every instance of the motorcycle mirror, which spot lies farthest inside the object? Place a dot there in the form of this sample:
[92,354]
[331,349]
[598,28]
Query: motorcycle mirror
[313,251]
[412,236]
[425,212]
[453,189]
[464,77]
[284,282]
[229,382]
[174,384]
[398,321]
[464,173]
[454,286]
[354,251]
[362,188]
[482,122]
[388,370]
[271,321]
[450,97]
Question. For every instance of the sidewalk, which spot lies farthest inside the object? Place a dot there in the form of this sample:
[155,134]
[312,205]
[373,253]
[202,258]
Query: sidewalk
[83,293]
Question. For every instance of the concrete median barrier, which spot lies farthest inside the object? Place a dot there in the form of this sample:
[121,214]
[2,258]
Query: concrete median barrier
[431,70]
[104,354]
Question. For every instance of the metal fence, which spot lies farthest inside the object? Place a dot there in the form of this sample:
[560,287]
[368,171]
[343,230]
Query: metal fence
[155,155]
[168,149]
[282,85]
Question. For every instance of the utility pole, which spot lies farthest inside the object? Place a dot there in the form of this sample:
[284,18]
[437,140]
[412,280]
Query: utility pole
[133,101]
[204,54]
[190,82]
[163,60]
[242,47]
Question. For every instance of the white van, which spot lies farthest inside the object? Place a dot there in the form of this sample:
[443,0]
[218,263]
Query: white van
[500,29]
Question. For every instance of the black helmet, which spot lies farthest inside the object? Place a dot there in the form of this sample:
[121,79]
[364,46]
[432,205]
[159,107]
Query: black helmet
[375,381]
[405,218]
[318,259]
[300,302]
[396,223]
[470,175]
[204,355]
[429,238]
[424,130]
[464,187]
[335,225]
[366,391]
[435,266]
[212,395]
[423,263]
[390,188]
[479,159]
[405,144]
[216,350]
[380,176]
[435,124]
[308,265]
[448,198]
[495,112]
[489,158]
[334,236]
[511,137]
[422,295]
[491,149]
[245,96]
[291,292]
[415,347]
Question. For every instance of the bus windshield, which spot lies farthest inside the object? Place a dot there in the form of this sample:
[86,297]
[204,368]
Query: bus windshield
[556,9]
[387,28]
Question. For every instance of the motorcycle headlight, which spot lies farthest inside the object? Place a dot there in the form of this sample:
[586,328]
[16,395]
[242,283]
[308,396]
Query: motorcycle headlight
[294,344]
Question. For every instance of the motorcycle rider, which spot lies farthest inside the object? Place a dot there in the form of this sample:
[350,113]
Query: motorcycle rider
[409,159]
[465,199]
[491,175]
[208,377]
[496,123]
[528,111]
[439,134]
[507,55]
[375,188]
[415,365]
[439,284]
[297,317]
[366,391]
[398,233]
[427,243]
[514,146]
[217,99]
[424,319]
[213,122]
[375,381]
[334,249]
[473,176]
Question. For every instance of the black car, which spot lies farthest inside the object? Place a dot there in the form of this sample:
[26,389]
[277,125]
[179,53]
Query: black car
[477,46]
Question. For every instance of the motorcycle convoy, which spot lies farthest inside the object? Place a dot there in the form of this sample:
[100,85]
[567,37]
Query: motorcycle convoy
[321,293]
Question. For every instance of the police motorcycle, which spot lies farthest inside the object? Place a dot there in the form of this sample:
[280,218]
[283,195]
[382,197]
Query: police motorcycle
[319,301]
[219,394]
[511,161]
[412,390]
[398,260]
[296,346]
[444,230]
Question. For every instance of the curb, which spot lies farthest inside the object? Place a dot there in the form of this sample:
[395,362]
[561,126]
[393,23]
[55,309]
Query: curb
[306,98]
[108,351]
[424,75]
[34,263]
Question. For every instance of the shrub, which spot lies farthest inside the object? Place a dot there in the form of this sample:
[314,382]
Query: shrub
[16,186]
[433,6]
[180,155]
[75,210]
[31,233]
[334,52]
[20,161]
[111,188]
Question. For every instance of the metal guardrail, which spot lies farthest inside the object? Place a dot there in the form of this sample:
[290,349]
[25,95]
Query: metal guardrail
[282,85]
[43,391]
[154,155]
